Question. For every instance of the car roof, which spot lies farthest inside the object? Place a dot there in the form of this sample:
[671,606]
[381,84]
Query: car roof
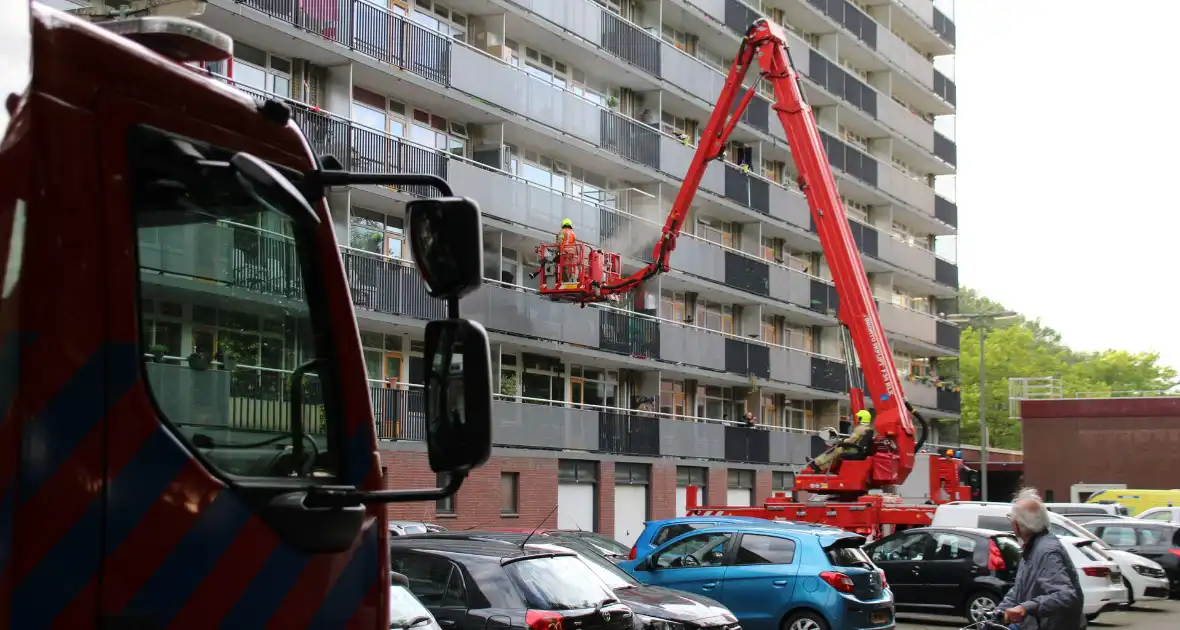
[1128,521]
[986,533]
[468,547]
[771,529]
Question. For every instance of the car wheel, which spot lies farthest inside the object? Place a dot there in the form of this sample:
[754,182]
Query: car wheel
[1130,593]
[805,620]
[980,604]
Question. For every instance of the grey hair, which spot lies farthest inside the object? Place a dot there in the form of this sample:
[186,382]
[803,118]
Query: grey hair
[1029,511]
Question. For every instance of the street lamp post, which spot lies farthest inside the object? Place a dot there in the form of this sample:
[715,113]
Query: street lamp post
[977,320]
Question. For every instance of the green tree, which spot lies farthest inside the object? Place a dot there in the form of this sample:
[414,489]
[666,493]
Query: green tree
[1019,347]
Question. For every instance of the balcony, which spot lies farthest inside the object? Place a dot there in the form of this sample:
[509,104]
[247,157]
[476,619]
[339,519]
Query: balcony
[945,149]
[504,86]
[921,394]
[631,43]
[944,27]
[850,17]
[908,322]
[946,211]
[946,273]
[905,122]
[749,191]
[852,161]
[946,335]
[386,286]
[790,285]
[824,298]
[913,192]
[747,274]
[738,17]
[630,139]
[628,333]
[949,401]
[866,237]
[628,434]
[675,158]
[831,77]
[944,88]
[828,375]
[369,30]
[917,67]
[901,254]
[748,445]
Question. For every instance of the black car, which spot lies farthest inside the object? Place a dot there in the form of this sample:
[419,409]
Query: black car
[947,570]
[1154,540]
[608,547]
[490,585]
[655,607]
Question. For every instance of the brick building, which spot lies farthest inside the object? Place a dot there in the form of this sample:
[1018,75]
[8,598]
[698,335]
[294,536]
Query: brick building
[1095,441]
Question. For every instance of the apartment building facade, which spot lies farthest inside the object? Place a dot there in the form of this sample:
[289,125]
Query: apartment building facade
[590,110]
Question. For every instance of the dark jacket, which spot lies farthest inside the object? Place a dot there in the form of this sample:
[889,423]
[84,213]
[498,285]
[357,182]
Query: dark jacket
[1047,587]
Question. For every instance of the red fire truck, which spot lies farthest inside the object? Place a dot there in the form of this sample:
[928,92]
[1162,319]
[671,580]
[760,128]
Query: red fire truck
[131,496]
[585,279]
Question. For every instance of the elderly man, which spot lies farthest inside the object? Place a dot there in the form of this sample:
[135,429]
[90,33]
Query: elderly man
[1046,595]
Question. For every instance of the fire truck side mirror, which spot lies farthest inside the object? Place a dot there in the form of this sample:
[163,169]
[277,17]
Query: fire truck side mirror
[458,395]
[446,240]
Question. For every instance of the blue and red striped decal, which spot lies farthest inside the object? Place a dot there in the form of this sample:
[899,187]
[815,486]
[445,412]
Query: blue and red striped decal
[160,560]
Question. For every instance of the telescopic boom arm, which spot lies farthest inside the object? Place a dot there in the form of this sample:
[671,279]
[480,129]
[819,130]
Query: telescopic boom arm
[766,44]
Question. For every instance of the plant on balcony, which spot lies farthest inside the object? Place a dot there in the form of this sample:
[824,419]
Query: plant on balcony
[158,352]
[198,361]
[508,385]
[612,102]
[227,360]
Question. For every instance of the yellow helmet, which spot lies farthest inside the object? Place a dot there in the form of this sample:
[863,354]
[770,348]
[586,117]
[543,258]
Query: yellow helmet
[864,417]
[566,223]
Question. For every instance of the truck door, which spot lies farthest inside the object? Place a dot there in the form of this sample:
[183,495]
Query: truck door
[213,309]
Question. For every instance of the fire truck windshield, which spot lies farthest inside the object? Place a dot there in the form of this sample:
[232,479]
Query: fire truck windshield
[227,314]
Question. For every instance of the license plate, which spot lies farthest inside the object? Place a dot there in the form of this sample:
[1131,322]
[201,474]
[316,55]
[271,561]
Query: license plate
[880,616]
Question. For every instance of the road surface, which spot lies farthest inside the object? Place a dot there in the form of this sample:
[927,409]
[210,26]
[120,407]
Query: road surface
[1157,615]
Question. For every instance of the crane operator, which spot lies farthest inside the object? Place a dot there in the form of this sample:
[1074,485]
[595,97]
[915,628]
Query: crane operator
[855,445]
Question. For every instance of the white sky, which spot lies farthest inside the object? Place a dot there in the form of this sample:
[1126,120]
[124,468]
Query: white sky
[1067,141]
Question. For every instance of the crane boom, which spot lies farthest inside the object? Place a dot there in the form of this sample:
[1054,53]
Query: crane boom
[765,44]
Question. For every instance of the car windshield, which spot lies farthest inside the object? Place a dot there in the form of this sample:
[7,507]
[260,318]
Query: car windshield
[405,610]
[607,545]
[413,529]
[557,583]
[612,575]
[1009,550]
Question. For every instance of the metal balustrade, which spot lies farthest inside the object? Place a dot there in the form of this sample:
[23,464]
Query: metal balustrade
[630,43]
[369,30]
[631,139]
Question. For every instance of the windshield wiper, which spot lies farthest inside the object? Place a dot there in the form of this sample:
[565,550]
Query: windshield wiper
[626,586]
[416,621]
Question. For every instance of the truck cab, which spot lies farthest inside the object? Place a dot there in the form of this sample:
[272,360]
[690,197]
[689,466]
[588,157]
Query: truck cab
[187,438]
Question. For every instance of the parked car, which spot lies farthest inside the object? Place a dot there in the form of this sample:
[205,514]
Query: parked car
[1161,514]
[775,578]
[409,528]
[1081,519]
[656,533]
[655,608]
[1153,540]
[405,611]
[606,546]
[478,584]
[1139,574]
[1067,509]
[1100,579]
[948,570]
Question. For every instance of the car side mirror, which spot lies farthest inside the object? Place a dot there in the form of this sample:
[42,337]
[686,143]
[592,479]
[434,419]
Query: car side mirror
[446,241]
[458,395]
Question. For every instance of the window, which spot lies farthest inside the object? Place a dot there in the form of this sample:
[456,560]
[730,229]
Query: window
[953,547]
[714,316]
[438,17]
[770,411]
[673,305]
[798,337]
[772,249]
[759,549]
[1151,537]
[906,548]
[770,328]
[447,505]
[546,68]
[701,550]
[714,402]
[435,581]
[577,471]
[543,379]
[855,210]
[377,233]
[231,265]
[509,485]
[593,386]
[672,398]
[670,532]
[509,375]
[797,414]
[782,481]
[740,479]
[261,70]
[678,126]
[1160,515]
[432,130]
[717,231]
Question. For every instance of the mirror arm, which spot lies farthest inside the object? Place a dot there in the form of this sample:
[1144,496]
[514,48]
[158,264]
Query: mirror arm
[330,498]
[345,178]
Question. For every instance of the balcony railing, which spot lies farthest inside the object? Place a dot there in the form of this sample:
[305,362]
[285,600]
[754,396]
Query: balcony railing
[630,334]
[628,433]
[831,77]
[852,161]
[946,211]
[744,444]
[369,30]
[850,17]
[630,43]
[945,88]
[631,139]
[945,149]
[944,27]
[389,286]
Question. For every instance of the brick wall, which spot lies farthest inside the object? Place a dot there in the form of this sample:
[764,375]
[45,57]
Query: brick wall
[763,484]
[477,504]
[606,499]
[718,485]
[663,490]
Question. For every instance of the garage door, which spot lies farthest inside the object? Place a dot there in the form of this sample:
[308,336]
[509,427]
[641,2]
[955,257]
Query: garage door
[738,496]
[630,512]
[575,506]
[576,480]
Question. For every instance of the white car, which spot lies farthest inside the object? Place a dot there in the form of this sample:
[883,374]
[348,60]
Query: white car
[1162,514]
[1101,581]
[1142,576]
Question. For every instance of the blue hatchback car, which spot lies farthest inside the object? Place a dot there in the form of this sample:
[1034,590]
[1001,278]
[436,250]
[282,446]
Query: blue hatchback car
[656,533]
[774,577]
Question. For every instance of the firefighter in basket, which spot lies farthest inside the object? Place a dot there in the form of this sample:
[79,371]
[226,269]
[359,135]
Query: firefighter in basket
[855,446]
[566,243]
